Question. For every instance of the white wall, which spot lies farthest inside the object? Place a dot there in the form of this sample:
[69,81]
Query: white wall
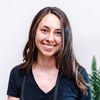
[15,20]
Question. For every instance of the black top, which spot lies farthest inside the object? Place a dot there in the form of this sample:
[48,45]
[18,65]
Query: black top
[67,90]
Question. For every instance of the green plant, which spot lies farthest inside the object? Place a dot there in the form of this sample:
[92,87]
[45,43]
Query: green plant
[95,80]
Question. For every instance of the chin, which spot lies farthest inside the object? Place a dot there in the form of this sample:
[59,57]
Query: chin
[48,54]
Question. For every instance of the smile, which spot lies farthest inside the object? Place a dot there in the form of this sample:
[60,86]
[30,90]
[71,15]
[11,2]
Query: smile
[48,46]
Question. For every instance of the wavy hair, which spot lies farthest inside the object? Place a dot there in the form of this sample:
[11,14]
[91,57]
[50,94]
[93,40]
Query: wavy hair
[66,61]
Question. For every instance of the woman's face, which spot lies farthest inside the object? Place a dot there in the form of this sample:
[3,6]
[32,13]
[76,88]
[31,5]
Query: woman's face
[48,35]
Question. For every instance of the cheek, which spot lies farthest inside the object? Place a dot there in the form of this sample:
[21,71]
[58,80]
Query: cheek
[59,42]
[38,37]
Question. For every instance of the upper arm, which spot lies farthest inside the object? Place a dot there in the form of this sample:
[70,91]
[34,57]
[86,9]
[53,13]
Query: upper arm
[13,85]
[86,78]
[12,98]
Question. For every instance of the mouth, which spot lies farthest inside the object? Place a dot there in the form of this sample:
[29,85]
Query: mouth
[48,47]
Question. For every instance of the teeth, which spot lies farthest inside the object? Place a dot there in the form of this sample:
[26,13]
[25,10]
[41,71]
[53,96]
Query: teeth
[49,46]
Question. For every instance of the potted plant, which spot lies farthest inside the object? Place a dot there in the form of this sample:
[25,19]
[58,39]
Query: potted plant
[95,80]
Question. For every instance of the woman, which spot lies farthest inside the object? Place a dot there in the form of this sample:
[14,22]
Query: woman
[50,70]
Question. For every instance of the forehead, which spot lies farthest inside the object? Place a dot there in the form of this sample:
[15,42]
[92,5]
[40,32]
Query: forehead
[50,20]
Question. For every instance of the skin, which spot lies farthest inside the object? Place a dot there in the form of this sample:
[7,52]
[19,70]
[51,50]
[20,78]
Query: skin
[48,36]
[48,42]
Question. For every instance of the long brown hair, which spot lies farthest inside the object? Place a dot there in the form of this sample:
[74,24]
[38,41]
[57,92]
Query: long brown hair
[66,61]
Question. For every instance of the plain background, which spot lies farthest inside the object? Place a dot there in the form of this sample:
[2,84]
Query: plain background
[15,20]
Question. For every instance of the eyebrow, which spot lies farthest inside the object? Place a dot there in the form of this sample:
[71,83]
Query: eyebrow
[48,28]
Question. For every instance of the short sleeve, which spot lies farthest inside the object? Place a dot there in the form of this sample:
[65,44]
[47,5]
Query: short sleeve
[86,78]
[14,83]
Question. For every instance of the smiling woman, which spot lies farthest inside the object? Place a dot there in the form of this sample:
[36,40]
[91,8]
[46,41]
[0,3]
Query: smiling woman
[50,70]
[48,35]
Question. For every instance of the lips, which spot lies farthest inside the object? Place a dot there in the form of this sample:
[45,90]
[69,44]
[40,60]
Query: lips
[48,47]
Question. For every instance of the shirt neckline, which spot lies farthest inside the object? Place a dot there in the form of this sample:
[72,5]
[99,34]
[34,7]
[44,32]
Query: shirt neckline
[35,83]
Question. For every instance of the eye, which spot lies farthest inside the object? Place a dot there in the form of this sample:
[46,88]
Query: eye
[58,33]
[44,30]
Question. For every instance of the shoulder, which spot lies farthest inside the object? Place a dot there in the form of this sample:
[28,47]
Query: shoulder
[16,70]
[15,81]
[68,87]
[16,73]
[84,73]
[70,80]
[82,70]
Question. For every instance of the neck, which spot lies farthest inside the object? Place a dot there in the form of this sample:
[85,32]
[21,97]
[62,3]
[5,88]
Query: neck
[44,62]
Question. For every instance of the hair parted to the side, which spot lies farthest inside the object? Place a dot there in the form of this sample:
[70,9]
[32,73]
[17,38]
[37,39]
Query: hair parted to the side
[66,61]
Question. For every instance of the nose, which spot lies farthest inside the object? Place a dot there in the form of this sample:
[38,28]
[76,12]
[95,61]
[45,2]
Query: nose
[50,37]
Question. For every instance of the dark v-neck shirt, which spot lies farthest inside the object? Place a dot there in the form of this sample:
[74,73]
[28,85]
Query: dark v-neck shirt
[35,92]
[68,89]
